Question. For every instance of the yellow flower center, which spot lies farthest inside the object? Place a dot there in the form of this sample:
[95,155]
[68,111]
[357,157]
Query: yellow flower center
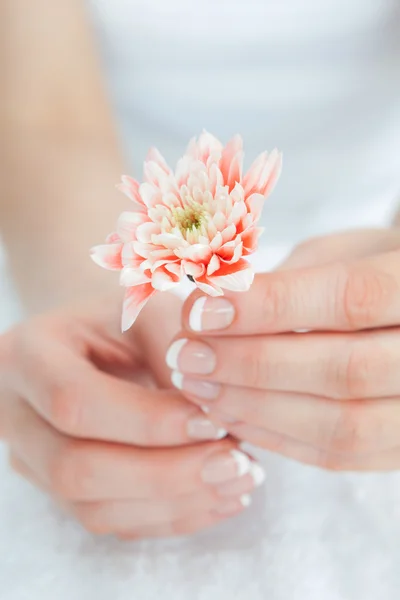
[190,218]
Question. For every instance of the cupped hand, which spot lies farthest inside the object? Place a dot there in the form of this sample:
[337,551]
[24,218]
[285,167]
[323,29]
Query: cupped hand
[307,363]
[86,418]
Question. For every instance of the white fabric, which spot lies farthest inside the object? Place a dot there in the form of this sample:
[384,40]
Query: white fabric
[320,79]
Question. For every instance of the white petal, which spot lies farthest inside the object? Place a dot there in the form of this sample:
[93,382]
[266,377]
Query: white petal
[162,281]
[131,277]
[236,282]
[145,231]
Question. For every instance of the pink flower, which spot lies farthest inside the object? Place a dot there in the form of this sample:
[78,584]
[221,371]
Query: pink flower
[199,222]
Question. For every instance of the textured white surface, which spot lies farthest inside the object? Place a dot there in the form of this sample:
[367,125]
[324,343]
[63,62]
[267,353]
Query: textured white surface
[308,535]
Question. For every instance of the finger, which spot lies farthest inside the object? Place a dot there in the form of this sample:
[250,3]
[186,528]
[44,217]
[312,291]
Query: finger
[83,402]
[388,460]
[182,527]
[20,467]
[346,366]
[344,296]
[82,470]
[354,427]
[346,245]
[113,516]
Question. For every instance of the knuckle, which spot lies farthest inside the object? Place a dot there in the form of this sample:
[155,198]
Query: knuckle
[273,300]
[365,297]
[365,369]
[65,406]
[352,431]
[71,472]
[254,368]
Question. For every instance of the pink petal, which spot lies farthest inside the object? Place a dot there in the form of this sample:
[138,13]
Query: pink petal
[250,239]
[255,204]
[151,195]
[131,277]
[231,162]
[206,145]
[236,278]
[195,270]
[270,171]
[174,268]
[127,224]
[237,194]
[108,256]
[220,220]
[228,233]
[253,175]
[154,174]
[182,170]
[231,252]
[130,187]
[162,281]
[216,242]
[274,176]
[155,156]
[129,256]
[207,286]
[239,210]
[113,238]
[135,299]
[169,240]
[196,253]
[213,265]
[215,178]
[145,232]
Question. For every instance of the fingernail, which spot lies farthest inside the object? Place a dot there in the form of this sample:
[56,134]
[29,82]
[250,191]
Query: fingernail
[211,313]
[226,466]
[233,506]
[257,473]
[196,387]
[191,356]
[201,428]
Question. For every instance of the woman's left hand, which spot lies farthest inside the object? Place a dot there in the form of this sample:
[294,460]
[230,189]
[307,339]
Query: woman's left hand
[329,396]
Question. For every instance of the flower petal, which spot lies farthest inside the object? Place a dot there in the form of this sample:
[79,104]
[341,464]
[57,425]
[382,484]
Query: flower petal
[231,252]
[250,239]
[193,269]
[108,256]
[128,223]
[162,281]
[251,179]
[130,187]
[236,278]
[169,240]
[195,253]
[145,231]
[231,162]
[255,204]
[129,256]
[206,285]
[213,265]
[239,210]
[135,299]
[130,277]
[155,156]
[151,195]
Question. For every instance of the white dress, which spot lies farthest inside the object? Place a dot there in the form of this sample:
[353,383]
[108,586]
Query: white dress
[320,79]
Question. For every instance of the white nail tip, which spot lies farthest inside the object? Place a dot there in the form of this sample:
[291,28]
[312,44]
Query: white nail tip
[173,353]
[221,433]
[257,473]
[177,379]
[245,500]
[195,317]
[243,462]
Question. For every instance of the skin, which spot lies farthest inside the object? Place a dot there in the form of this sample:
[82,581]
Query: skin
[84,410]
[330,396]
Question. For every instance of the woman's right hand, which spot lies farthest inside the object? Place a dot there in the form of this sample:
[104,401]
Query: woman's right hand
[124,457]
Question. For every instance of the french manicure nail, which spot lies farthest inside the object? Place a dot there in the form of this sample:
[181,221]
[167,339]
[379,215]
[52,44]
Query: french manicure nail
[207,390]
[191,356]
[173,353]
[226,466]
[257,473]
[234,506]
[201,428]
[211,313]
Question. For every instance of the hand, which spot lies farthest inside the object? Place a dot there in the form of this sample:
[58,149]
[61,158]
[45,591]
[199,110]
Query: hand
[123,458]
[329,396]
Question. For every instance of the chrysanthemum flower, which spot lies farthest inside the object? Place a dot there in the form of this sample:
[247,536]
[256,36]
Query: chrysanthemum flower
[198,222]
